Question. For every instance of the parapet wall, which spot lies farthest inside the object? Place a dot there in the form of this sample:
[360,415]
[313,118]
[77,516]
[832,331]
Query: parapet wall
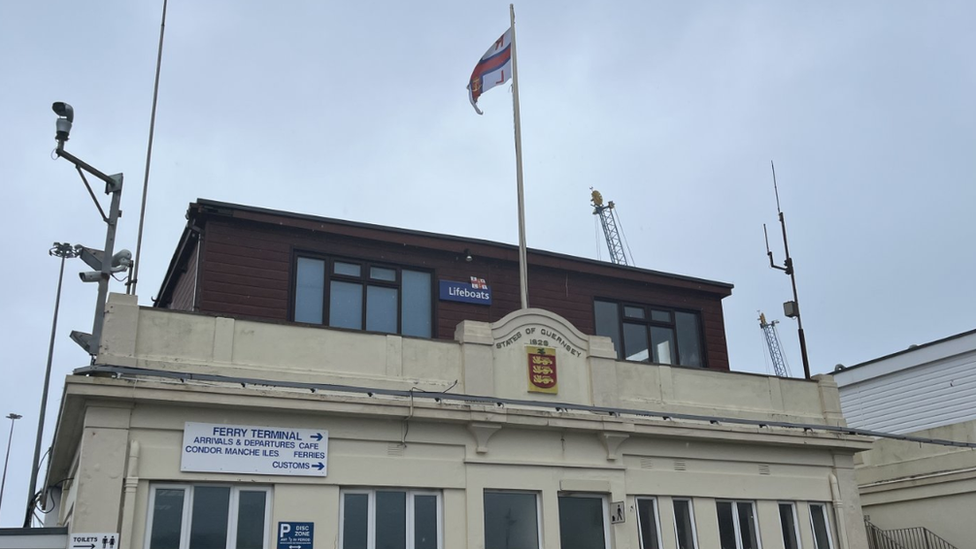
[486,359]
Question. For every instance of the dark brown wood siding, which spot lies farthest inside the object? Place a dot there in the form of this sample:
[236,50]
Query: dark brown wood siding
[183,288]
[247,270]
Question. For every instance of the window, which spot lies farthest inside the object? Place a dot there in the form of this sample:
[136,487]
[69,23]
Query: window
[390,519]
[787,519]
[583,522]
[208,517]
[511,520]
[737,525]
[684,524]
[363,296]
[647,526]
[821,526]
[659,335]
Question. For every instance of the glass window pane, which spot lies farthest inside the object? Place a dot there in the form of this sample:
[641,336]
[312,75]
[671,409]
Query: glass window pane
[167,518]
[689,339]
[608,323]
[250,519]
[684,526]
[355,521]
[391,520]
[726,525]
[511,521]
[647,523]
[382,273]
[788,521]
[348,269]
[346,305]
[747,525]
[381,309]
[309,290]
[662,341]
[660,316]
[415,314]
[635,342]
[818,515]
[581,523]
[633,312]
[425,522]
[208,522]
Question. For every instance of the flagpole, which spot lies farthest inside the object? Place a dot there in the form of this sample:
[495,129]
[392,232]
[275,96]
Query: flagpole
[523,275]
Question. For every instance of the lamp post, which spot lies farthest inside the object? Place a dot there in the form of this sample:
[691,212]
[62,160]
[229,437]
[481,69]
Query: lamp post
[64,251]
[12,417]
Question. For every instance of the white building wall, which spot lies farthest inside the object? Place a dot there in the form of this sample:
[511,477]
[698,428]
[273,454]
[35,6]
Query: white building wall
[456,447]
[927,387]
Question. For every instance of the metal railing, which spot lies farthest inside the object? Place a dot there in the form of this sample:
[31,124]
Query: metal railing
[904,538]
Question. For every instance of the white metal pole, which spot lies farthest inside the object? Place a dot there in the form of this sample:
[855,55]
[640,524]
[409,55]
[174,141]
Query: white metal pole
[134,279]
[523,262]
[3,484]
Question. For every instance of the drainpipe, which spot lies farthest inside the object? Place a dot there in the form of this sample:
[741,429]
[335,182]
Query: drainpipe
[129,498]
[838,512]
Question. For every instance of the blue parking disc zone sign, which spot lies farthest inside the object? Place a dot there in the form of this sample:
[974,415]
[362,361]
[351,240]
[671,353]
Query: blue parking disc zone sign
[295,535]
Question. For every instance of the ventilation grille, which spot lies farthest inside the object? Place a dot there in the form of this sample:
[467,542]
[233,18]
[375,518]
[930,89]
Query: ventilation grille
[763,469]
[680,465]
[395,449]
[647,463]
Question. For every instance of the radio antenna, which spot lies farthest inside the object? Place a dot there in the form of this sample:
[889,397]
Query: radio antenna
[790,308]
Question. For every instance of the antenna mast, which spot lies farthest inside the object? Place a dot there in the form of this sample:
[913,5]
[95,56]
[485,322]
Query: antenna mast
[790,308]
[608,219]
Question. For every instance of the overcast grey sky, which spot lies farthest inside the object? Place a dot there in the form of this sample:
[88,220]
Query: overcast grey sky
[358,110]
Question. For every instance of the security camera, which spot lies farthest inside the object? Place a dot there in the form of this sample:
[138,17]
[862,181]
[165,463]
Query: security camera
[90,276]
[66,115]
[121,261]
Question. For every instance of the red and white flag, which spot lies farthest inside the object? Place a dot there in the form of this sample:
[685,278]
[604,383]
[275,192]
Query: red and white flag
[494,68]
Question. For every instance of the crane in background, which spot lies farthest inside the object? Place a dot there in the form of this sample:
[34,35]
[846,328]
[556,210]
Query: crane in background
[780,366]
[609,221]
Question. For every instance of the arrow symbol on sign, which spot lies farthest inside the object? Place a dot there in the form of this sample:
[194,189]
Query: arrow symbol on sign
[318,466]
[317,436]
[90,546]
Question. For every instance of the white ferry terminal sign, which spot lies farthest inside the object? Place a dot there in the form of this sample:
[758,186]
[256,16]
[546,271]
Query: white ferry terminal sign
[221,448]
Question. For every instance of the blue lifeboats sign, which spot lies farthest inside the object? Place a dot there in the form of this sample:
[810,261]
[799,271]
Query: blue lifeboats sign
[476,291]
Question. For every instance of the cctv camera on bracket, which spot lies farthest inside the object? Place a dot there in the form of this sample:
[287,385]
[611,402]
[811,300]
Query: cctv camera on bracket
[90,276]
[66,115]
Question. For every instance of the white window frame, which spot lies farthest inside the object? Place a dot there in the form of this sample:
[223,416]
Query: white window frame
[606,512]
[409,518]
[538,507]
[813,528]
[657,520]
[691,515]
[737,527]
[796,521]
[186,517]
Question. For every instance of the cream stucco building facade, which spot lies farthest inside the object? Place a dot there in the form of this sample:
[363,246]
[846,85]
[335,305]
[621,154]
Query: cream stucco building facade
[438,444]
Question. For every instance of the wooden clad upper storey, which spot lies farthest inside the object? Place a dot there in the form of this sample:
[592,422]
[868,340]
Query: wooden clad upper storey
[247,262]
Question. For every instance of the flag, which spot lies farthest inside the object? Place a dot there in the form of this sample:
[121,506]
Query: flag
[494,68]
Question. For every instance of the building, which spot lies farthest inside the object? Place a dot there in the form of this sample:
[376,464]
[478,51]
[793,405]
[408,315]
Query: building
[306,382]
[924,391]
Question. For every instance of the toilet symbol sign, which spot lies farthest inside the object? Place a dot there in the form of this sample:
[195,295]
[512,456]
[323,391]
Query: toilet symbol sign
[295,535]
[94,541]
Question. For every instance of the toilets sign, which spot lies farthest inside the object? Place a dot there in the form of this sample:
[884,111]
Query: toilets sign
[222,448]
